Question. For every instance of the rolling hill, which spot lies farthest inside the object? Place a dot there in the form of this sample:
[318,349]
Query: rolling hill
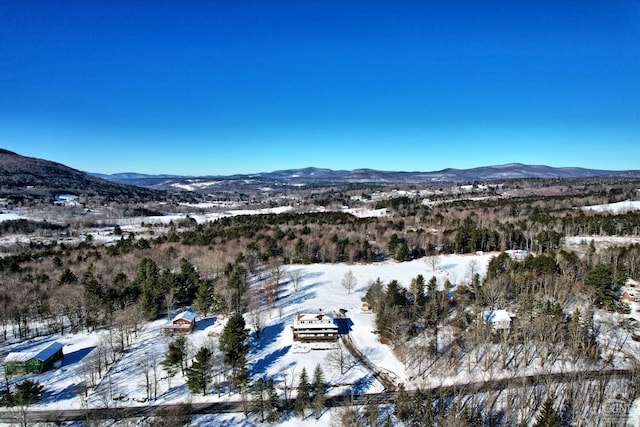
[28,178]
[322,177]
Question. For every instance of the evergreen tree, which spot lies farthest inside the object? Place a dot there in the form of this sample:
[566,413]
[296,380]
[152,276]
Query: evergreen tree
[403,253]
[28,392]
[271,402]
[234,347]
[375,296]
[371,411]
[319,391]
[199,374]
[176,356]
[146,280]
[258,402]
[187,282]
[548,416]
[303,397]
[423,413]
[396,294]
[605,282]
[204,297]
[403,405]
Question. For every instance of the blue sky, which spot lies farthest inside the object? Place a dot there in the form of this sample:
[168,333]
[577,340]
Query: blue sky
[200,87]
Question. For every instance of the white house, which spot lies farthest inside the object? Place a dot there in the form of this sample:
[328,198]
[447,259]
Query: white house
[499,320]
[314,327]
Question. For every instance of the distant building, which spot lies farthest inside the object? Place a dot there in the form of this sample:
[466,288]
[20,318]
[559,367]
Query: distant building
[517,254]
[630,291]
[499,320]
[67,200]
[314,327]
[182,323]
[39,360]
[630,295]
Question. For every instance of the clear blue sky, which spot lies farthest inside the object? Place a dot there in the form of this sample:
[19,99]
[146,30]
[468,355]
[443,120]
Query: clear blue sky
[219,87]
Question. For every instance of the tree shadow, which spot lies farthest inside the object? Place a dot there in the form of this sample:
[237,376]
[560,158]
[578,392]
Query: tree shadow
[268,335]
[361,385]
[174,393]
[311,286]
[311,275]
[261,365]
[236,421]
[69,392]
[298,299]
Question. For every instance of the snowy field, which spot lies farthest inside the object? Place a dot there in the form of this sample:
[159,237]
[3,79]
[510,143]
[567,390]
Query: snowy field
[615,208]
[9,217]
[274,355]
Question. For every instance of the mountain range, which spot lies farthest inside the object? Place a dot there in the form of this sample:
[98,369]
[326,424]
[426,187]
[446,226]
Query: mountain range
[26,176]
[321,177]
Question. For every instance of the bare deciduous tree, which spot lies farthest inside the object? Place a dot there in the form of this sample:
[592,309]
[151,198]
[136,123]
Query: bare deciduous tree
[256,311]
[349,281]
[295,276]
[340,358]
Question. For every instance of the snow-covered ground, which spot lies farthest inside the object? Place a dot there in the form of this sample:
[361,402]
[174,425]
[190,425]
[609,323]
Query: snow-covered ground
[274,355]
[9,217]
[615,208]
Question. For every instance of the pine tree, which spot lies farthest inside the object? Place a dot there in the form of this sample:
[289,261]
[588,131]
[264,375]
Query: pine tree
[403,405]
[258,403]
[176,356]
[303,397]
[204,297]
[233,345]
[187,282]
[199,374]
[548,416]
[371,410]
[28,392]
[422,413]
[319,391]
[271,402]
[147,280]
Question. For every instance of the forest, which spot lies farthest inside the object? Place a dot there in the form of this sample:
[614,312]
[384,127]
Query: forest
[554,291]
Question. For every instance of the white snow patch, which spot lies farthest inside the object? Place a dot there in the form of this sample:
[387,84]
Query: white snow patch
[615,208]
[9,217]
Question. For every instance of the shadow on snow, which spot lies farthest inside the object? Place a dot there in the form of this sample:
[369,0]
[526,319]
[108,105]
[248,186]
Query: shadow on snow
[268,335]
[203,324]
[76,356]
[263,364]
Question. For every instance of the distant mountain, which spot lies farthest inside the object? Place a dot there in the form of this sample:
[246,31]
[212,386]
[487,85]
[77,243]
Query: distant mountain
[317,176]
[31,178]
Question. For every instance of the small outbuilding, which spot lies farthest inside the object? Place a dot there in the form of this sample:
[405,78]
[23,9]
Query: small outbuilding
[182,323]
[39,360]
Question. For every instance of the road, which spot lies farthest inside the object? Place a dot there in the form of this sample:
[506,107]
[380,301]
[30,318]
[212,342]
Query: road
[61,415]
